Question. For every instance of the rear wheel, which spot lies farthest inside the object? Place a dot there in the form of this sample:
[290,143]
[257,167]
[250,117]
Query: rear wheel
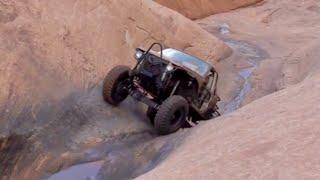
[115,85]
[171,115]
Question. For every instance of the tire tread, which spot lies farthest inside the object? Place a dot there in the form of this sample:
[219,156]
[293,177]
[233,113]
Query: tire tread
[110,81]
[161,124]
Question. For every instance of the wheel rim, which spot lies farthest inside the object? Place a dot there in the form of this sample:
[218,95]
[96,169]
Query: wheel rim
[120,92]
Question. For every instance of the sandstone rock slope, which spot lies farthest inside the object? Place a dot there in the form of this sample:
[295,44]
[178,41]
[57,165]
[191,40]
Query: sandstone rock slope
[48,46]
[274,136]
[202,8]
[274,44]
[54,55]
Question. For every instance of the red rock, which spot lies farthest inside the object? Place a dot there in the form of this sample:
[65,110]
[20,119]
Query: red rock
[200,9]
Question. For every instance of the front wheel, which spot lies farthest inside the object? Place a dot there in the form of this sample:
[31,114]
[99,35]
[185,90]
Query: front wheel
[115,85]
[171,115]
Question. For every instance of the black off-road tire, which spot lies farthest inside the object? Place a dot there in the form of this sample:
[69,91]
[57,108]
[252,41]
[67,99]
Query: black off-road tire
[171,115]
[151,113]
[111,82]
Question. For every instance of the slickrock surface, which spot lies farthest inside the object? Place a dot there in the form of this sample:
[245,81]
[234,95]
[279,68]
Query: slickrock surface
[273,137]
[275,44]
[49,46]
[54,123]
[54,55]
[203,8]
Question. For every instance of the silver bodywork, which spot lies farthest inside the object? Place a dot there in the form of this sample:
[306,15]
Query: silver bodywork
[194,66]
[204,72]
[200,69]
[192,63]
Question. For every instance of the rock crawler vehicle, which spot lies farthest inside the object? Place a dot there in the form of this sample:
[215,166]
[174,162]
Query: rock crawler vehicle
[177,88]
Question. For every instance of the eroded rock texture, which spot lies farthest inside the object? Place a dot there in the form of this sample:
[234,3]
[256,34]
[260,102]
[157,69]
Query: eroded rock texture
[276,48]
[54,54]
[203,8]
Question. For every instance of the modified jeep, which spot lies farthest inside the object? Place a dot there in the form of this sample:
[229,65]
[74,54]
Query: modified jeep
[177,88]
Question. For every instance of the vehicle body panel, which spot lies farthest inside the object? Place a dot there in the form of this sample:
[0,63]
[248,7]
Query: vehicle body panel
[195,67]
[187,61]
[198,69]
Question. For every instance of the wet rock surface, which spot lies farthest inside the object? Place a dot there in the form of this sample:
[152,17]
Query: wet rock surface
[88,135]
[278,33]
[253,56]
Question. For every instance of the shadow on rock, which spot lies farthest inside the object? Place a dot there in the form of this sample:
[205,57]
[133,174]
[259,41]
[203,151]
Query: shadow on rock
[11,150]
[83,132]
